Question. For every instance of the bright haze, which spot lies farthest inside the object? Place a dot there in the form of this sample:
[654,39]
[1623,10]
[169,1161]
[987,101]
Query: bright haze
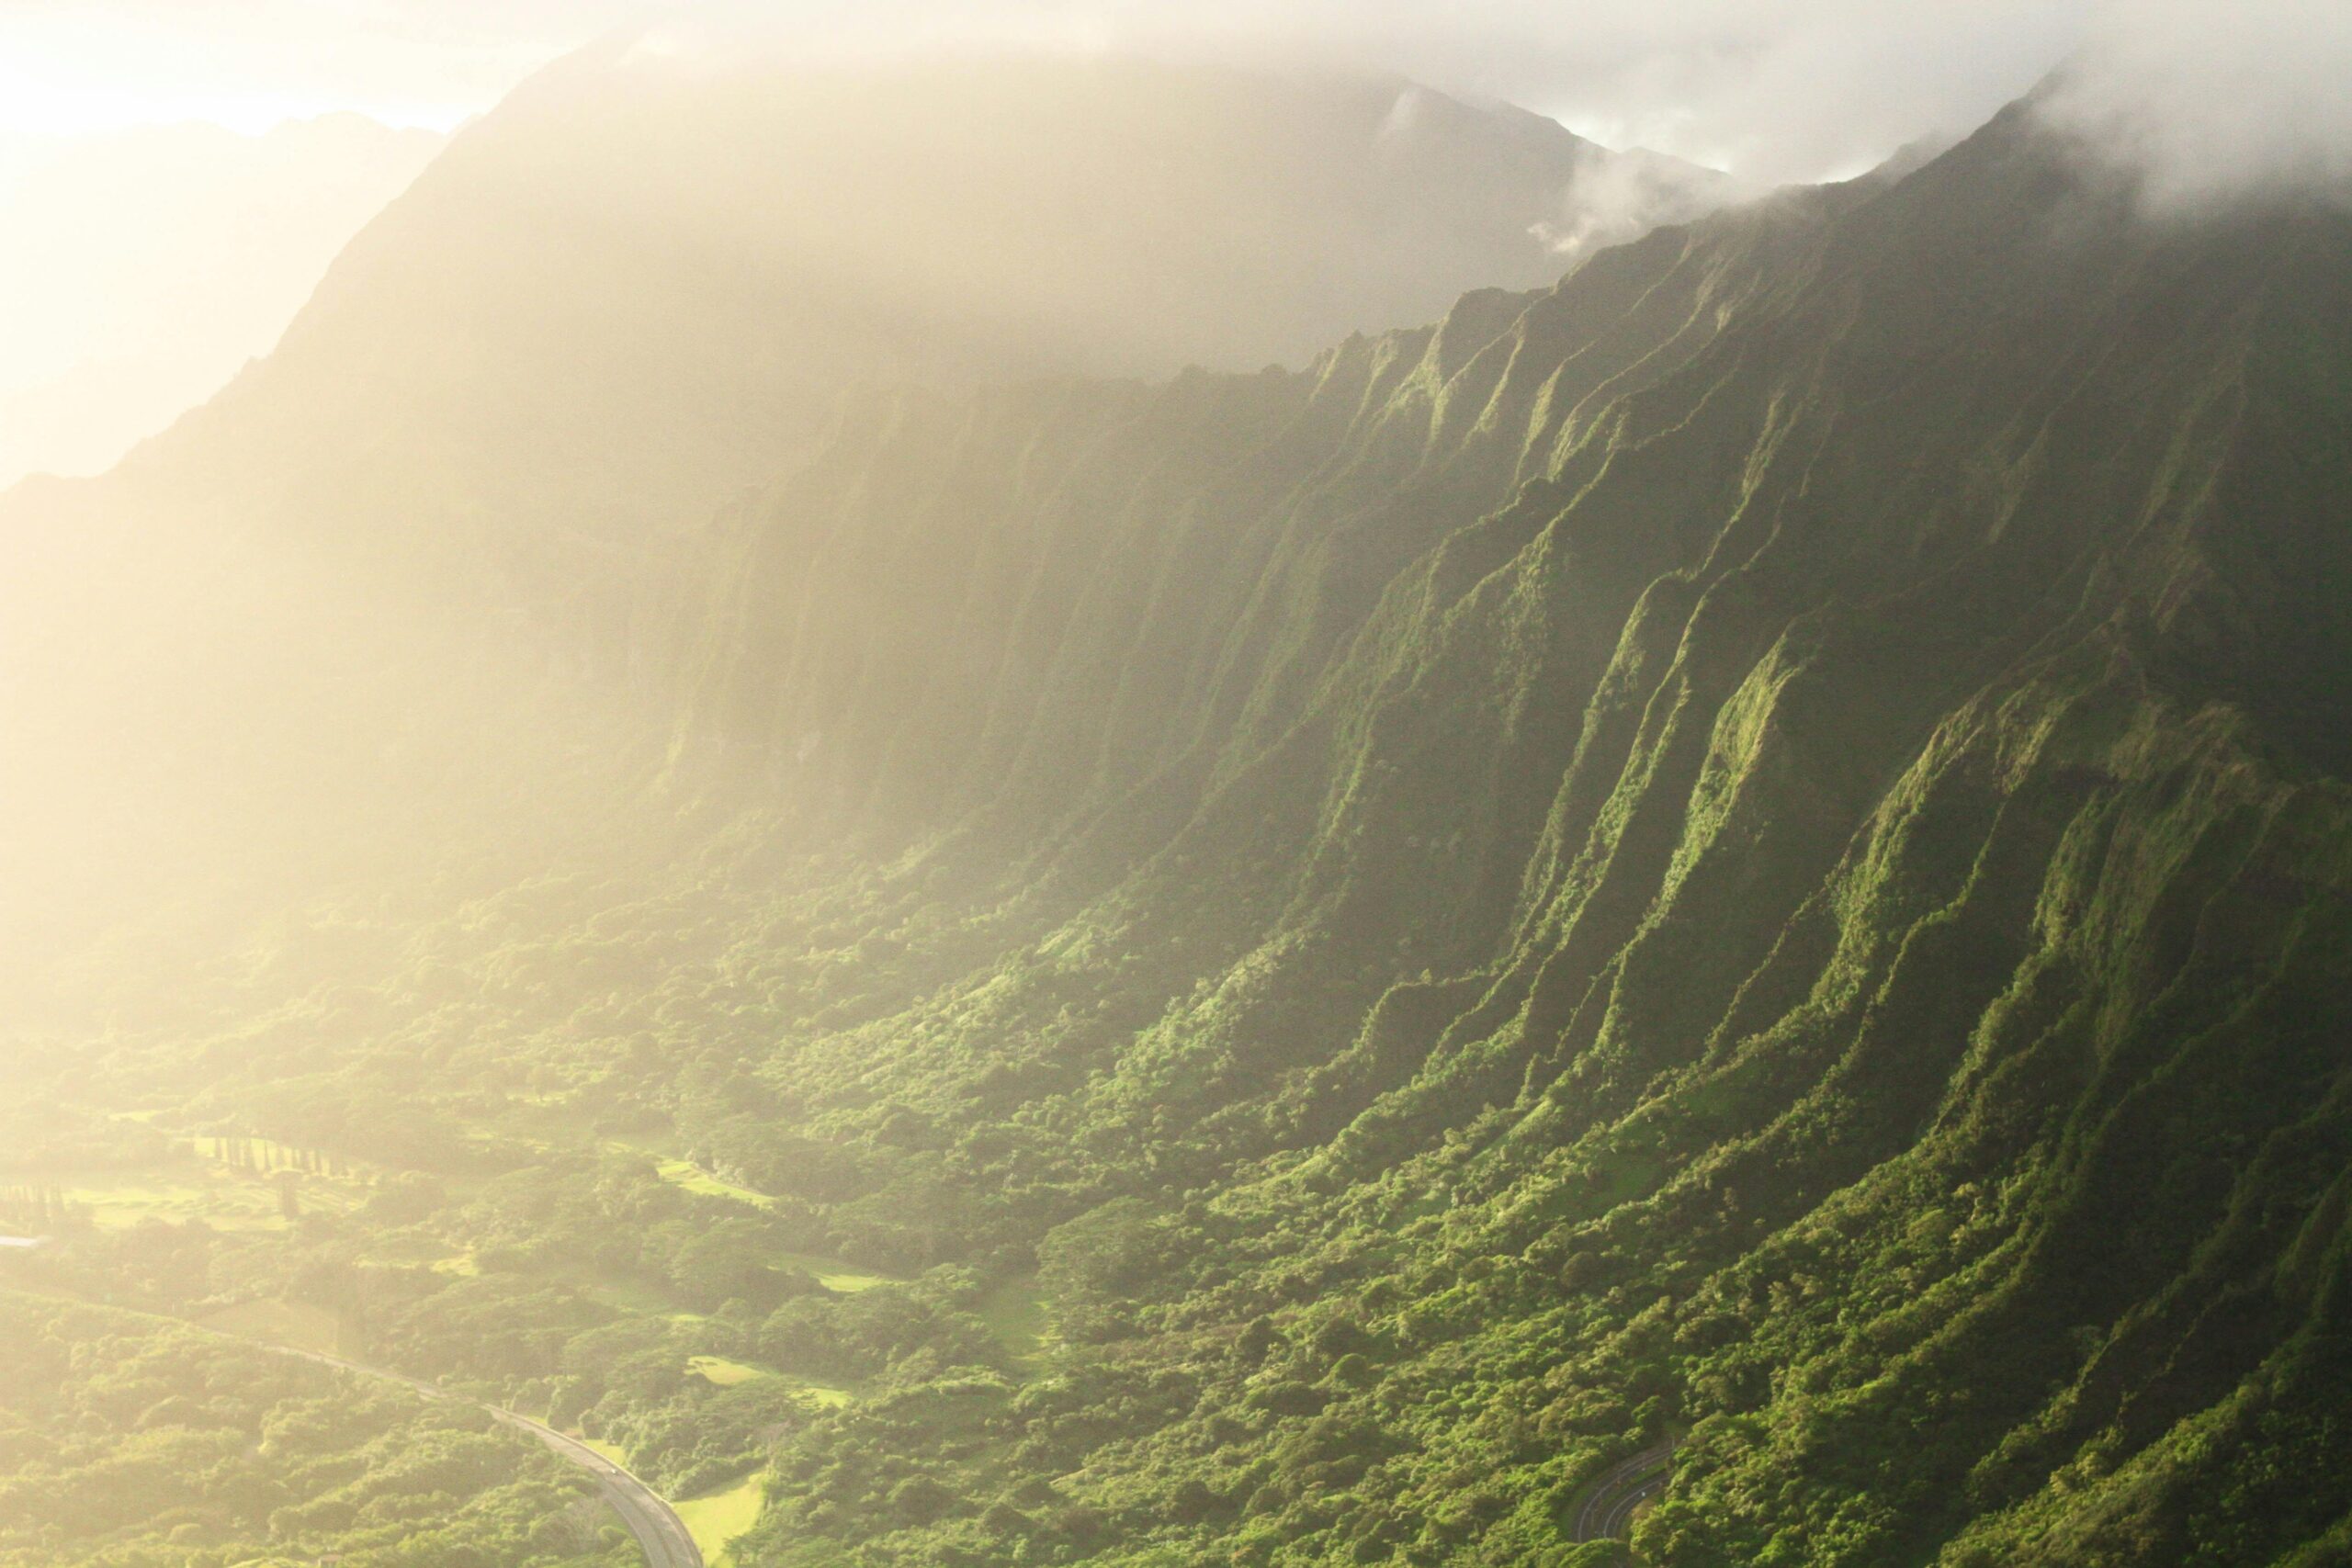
[159,259]
[1776,90]
[170,191]
[661,240]
[1259,782]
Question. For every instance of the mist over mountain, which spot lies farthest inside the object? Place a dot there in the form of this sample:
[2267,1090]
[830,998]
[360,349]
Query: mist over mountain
[147,267]
[639,283]
[1750,849]
[481,457]
[1695,913]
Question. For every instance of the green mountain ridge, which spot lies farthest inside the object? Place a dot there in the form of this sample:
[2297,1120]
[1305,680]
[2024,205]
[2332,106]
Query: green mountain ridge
[283,642]
[1750,849]
[1753,842]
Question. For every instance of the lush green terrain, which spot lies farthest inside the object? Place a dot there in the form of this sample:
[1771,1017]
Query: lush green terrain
[126,1442]
[1751,849]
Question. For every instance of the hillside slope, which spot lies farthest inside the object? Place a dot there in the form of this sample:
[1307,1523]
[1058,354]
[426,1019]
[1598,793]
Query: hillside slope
[163,259]
[1749,850]
[1752,846]
[286,640]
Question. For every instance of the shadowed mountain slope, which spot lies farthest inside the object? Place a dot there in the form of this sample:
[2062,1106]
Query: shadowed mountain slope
[1753,845]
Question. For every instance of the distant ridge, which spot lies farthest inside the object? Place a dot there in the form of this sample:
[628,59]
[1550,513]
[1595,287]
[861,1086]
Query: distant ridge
[475,473]
[1741,862]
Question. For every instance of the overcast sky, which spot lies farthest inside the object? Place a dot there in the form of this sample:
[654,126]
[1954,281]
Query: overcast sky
[1779,88]
[2208,98]
[1775,89]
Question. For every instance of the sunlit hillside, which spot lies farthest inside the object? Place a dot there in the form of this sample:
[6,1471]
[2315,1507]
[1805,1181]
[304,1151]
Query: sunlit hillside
[1028,806]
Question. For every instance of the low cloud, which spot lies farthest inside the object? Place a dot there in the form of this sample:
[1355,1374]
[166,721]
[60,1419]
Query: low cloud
[2202,96]
[1613,199]
[1772,90]
[2206,103]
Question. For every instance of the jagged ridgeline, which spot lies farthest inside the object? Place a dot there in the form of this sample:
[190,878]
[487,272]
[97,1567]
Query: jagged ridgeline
[317,628]
[1748,849]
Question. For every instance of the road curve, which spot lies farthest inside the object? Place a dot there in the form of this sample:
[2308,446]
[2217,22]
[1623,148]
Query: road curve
[1608,1510]
[1618,1522]
[660,1533]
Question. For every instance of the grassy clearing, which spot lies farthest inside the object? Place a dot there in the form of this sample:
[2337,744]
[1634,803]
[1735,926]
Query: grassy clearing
[296,1324]
[426,1251]
[686,1173]
[1016,1314]
[725,1374]
[625,1293]
[695,1178]
[719,1517]
[720,1371]
[833,1273]
[833,1397]
[612,1452]
[230,1184]
[120,1201]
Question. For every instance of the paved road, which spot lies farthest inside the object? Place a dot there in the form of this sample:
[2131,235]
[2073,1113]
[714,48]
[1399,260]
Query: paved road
[660,1533]
[1608,1509]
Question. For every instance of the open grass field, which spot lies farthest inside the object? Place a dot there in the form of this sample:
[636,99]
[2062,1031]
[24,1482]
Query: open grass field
[831,1395]
[613,1451]
[720,1371]
[694,1179]
[1016,1314]
[717,1519]
[232,1184]
[725,1374]
[120,1200]
[303,1326]
[686,1173]
[835,1274]
[626,1292]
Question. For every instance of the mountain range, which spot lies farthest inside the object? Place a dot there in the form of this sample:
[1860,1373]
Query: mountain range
[478,470]
[1741,857]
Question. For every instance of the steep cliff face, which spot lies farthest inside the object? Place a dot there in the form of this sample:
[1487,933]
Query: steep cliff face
[1752,845]
[367,595]
[637,286]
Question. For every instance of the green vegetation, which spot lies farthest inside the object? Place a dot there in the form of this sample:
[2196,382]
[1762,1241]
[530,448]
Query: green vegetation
[832,1273]
[127,1441]
[1284,970]
[1015,1311]
[718,1370]
[294,1323]
[718,1519]
[694,1179]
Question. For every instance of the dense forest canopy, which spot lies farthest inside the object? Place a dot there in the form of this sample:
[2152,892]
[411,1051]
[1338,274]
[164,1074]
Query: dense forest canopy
[131,1442]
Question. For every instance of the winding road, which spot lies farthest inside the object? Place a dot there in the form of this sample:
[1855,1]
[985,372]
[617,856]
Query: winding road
[660,1533]
[1608,1509]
